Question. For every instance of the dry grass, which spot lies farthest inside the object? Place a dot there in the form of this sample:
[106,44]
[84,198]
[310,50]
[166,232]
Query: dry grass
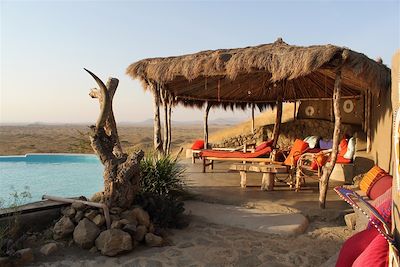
[19,140]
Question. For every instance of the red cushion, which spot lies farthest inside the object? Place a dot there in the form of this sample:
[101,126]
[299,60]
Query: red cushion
[264,145]
[235,154]
[343,147]
[341,159]
[354,246]
[379,186]
[198,144]
[298,148]
[376,254]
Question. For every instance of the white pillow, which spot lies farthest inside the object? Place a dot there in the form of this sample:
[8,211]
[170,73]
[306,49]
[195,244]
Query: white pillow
[312,141]
[351,148]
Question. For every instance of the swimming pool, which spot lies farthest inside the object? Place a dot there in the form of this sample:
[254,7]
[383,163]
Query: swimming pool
[67,175]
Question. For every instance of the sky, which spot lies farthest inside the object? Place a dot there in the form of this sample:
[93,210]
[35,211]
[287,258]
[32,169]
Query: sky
[46,44]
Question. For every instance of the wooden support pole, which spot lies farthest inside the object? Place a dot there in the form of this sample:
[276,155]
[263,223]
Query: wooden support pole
[278,121]
[166,125]
[252,119]
[295,111]
[208,106]
[158,144]
[368,122]
[169,125]
[328,168]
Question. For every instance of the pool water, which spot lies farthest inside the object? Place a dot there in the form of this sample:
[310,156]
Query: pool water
[66,175]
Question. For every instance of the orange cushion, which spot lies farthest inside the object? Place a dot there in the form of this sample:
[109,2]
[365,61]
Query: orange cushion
[371,177]
[198,144]
[298,148]
[341,159]
[235,154]
[320,160]
[343,147]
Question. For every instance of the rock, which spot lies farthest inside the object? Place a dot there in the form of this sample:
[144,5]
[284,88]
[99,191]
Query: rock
[125,221]
[49,248]
[69,212]
[114,217]
[78,216]
[141,231]
[130,228]
[93,249]
[63,228]
[78,206]
[114,241]
[142,216]
[5,262]
[350,220]
[24,256]
[91,214]
[116,225]
[99,220]
[153,241]
[130,216]
[115,210]
[85,233]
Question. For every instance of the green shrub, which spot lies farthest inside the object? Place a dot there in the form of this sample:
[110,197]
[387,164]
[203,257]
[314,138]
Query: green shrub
[161,176]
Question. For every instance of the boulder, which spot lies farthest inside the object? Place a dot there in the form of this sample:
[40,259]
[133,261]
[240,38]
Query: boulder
[125,221]
[142,216]
[114,241]
[5,262]
[49,248]
[78,206]
[78,216]
[63,228]
[130,229]
[116,225]
[153,240]
[130,216]
[23,257]
[85,233]
[99,220]
[115,210]
[91,214]
[69,212]
[140,232]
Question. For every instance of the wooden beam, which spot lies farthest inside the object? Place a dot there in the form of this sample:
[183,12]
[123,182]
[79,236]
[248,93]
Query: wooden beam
[166,125]
[328,168]
[158,144]
[169,124]
[295,111]
[278,120]
[252,119]
[206,112]
[368,122]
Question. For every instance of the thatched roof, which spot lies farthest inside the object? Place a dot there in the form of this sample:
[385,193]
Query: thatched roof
[258,74]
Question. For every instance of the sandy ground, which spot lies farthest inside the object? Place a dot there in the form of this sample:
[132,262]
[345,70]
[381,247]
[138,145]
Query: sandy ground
[204,244]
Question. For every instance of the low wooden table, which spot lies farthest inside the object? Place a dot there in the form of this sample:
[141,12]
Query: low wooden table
[268,171]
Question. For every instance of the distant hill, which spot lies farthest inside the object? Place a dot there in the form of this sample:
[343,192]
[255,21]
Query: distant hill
[215,122]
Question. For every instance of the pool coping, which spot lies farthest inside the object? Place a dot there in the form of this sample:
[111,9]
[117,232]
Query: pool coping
[46,154]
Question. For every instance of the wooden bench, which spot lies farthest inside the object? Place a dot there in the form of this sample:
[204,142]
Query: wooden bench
[268,171]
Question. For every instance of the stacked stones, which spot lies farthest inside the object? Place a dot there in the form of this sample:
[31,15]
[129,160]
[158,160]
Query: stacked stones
[87,227]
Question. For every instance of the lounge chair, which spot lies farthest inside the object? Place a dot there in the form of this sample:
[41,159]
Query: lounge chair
[261,155]
[197,149]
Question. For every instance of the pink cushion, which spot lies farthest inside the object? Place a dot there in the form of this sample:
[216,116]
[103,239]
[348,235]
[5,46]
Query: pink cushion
[383,204]
[376,254]
[264,145]
[379,186]
[354,246]
[198,144]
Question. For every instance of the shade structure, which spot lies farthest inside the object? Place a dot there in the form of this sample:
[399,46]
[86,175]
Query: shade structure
[261,74]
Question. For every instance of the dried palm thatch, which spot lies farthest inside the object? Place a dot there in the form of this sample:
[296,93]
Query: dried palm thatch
[237,77]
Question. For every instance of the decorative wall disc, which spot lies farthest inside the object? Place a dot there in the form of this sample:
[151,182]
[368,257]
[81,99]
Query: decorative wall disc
[309,111]
[348,106]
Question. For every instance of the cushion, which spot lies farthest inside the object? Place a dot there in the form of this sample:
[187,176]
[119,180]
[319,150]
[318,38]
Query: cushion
[320,160]
[342,160]
[354,246]
[325,144]
[297,149]
[198,144]
[379,186]
[351,149]
[375,254]
[343,147]
[235,154]
[374,173]
[383,204]
[312,141]
[264,145]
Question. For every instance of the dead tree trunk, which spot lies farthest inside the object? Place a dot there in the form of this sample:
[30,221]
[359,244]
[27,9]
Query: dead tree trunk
[277,126]
[169,124]
[166,125]
[158,143]
[121,171]
[328,168]
[208,107]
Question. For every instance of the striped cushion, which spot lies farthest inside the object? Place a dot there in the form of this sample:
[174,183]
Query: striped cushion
[370,177]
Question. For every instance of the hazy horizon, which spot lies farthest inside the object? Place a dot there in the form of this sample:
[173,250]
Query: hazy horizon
[46,45]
